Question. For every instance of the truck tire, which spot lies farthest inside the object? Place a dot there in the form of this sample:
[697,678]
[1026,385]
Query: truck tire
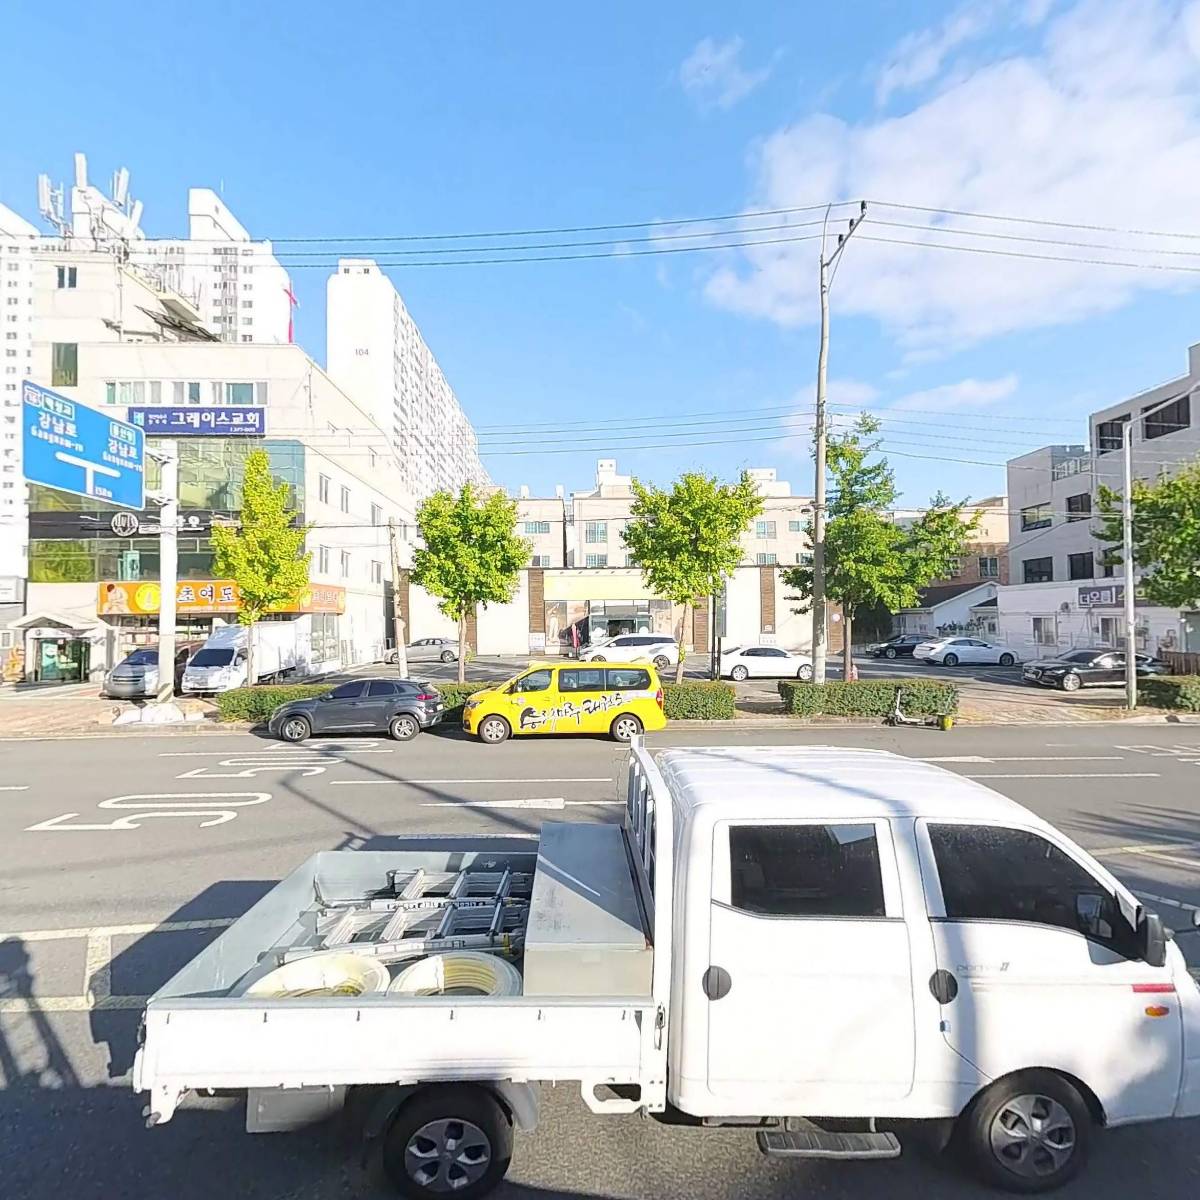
[448,1139]
[295,729]
[1029,1132]
[403,727]
[493,730]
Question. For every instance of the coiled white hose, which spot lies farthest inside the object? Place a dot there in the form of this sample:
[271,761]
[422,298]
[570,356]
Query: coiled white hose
[334,974]
[458,972]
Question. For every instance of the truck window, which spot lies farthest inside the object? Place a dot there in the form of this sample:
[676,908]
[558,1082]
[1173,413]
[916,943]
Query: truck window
[805,870]
[993,874]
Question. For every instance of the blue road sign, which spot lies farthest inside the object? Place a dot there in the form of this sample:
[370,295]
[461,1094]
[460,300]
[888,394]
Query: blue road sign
[72,448]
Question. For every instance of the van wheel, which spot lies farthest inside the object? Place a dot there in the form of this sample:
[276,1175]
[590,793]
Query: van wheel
[295,729]
[625,728]
[1030,1132]
[494,730]
[403,728]
[448,1140]
[739,673]
[662,662]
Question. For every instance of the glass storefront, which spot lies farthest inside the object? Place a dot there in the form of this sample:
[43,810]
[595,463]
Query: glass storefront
[574,623]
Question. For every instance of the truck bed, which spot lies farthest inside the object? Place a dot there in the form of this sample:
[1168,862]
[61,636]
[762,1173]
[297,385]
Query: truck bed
[202,1031]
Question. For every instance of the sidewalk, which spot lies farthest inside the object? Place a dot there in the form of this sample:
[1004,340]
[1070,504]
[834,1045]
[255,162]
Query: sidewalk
[69,709]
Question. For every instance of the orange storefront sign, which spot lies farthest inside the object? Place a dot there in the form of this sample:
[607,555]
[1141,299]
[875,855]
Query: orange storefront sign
[206,596]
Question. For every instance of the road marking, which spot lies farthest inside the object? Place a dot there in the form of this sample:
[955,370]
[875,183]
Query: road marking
[422,782]
[112,931]
[549,803]
[975,758]
[158,804]
[22,787]
[1143,847]
[70,1004]
[305,764]
[1192,908]
[1075,775]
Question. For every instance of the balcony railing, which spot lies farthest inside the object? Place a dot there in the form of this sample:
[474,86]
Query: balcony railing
[1070,466]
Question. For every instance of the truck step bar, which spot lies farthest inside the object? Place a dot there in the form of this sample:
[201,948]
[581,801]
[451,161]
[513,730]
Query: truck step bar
[817,1143]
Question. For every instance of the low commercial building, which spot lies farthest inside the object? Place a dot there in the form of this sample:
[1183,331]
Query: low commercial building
[950,608]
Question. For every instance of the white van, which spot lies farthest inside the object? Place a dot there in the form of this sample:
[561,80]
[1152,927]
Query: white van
[811,943]
[282,649]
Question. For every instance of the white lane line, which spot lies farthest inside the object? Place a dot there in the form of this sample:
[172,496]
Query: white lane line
[975,758]
[422,782]
[1192,908]
[548,803]
[1191,864]
[1075,775]
[1145,847]
[70,1004]
[111,931]
[15,787]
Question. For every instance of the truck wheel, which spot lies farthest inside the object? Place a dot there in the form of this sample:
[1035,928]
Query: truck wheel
[448,1139]
[403,728]
[448,656]
[739,673]
[625,728]
[295,729]
[1030,1132]
[494,730]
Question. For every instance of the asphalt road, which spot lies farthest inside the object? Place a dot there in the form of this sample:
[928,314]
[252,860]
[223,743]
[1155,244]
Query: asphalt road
[121,857]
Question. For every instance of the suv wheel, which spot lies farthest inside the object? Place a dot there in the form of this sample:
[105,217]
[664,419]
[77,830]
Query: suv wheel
[403,727]
[494,730]
[295,729]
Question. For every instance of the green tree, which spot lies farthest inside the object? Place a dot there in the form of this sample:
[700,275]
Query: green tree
[471,554]
[264,555]
[1166,536]
[870,560]
[688,540]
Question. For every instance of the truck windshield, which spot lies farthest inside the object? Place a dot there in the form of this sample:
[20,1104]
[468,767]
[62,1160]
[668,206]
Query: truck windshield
[212,658]
[145,657]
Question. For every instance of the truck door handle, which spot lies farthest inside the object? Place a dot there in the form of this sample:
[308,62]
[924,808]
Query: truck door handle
[944,986]
[716,983]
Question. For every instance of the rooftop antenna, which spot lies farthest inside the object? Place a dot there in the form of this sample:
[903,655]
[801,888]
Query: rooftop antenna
[120,186]
[80,170]
[50,205]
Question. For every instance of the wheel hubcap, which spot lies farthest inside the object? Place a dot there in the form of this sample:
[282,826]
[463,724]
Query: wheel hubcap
[447,1156]
[493,731]
[1033,1136]
[294,729]
[405,727]
[626,729]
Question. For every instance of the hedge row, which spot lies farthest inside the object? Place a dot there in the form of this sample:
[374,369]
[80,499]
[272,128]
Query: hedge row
[868,698]
[258,703]
[699,701]
[1171,691]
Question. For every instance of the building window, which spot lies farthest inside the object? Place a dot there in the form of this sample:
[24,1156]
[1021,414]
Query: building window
[597,560]
[795,527]
[1170,419]
[156,391]
[1079,508]
[1109,434]
[67,277]
[376,515]
[1111,565]
[239,393]
[64,364]
[193,393]
[766,560]
[955,568]
[323,559]
[1038,570]
[376,571]
[345,500]
[542,560]
[1037,516]
[1080,566]
[538,527]
[1045,632]
[345,564]
[764,529]
[323,488]
[595,531]
[989,566]
[804,558]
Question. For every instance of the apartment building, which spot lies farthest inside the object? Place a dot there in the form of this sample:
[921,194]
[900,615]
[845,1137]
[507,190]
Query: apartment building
[1062,592]
[377,355]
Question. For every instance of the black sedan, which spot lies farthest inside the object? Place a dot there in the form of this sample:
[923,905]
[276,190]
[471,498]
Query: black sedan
[398,707]
[897,647]
[1097,667]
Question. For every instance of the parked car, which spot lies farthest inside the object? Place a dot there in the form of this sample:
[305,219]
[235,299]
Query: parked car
[659,648]
[435,649]
[764,662]
[901,646]
[398,707]
[950,651]
[135,677]
[621,701]
[1099,666]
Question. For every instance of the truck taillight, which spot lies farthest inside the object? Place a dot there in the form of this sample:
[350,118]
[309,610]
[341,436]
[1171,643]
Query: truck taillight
[658,697]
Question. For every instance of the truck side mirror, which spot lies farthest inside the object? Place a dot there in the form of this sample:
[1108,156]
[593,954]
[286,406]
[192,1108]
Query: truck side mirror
[1152,940]
[1089,914]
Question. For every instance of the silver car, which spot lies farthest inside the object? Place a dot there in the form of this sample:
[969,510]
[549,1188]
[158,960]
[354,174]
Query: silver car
[437,649]
[135,677]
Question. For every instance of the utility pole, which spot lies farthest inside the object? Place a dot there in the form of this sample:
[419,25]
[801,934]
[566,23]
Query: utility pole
[828,272]
[397,611]
[167,454]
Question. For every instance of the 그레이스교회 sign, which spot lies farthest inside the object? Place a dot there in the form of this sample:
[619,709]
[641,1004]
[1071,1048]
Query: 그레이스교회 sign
[201,422]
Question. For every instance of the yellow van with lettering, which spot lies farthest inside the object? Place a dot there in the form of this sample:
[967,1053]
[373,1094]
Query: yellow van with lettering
[621,700]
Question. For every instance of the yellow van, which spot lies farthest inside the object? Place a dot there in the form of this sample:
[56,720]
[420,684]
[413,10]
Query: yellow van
[619,700]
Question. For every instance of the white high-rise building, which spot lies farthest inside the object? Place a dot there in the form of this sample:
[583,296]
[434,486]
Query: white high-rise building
[376,353]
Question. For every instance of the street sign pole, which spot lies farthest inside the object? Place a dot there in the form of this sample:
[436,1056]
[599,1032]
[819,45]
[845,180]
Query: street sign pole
[167,454]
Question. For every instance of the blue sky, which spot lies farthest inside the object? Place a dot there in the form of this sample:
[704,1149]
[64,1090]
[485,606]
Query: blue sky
[366,119]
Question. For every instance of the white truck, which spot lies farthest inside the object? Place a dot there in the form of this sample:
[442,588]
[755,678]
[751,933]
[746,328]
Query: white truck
[281,649]
[811,943]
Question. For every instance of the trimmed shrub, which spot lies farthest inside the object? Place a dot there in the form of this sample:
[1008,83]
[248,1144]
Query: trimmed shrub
[868,698]
[258,703]
[1171,691]
[699,701]
[454,696]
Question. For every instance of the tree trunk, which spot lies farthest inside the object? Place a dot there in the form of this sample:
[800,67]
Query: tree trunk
[679,643]
[847,644]
[462,644]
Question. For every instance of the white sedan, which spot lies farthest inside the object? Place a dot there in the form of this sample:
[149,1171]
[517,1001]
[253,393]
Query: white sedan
[950,651]
[764,662]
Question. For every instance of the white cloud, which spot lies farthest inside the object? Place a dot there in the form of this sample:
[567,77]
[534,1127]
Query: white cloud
[713,74]
[954,397]
[1099,123]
